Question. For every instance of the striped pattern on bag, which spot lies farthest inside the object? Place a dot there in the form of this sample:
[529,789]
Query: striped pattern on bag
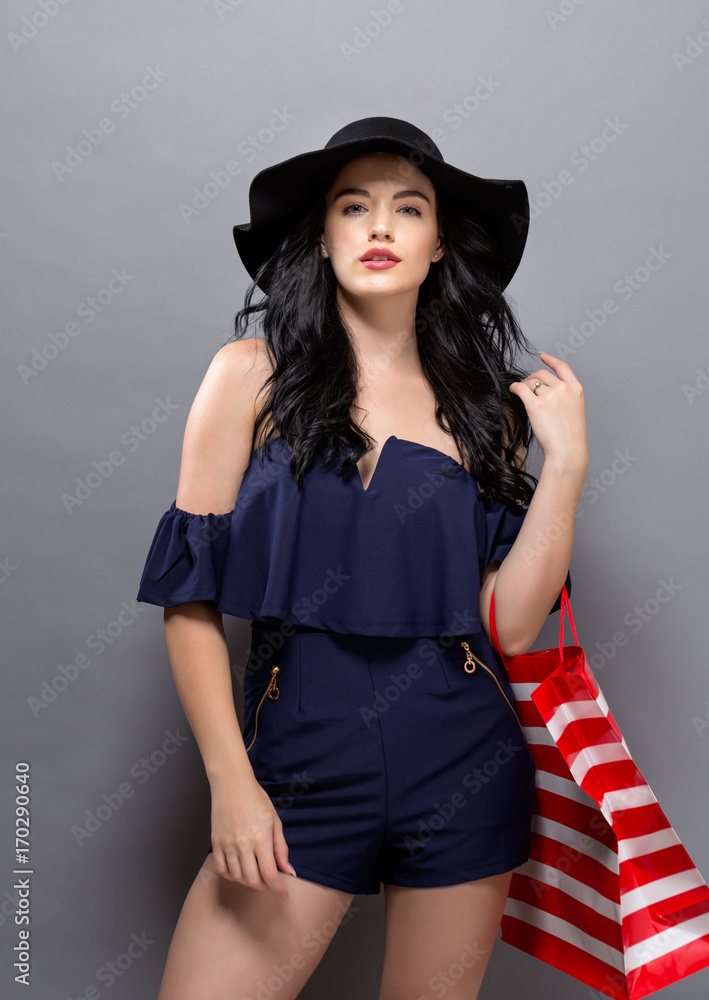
[609,894]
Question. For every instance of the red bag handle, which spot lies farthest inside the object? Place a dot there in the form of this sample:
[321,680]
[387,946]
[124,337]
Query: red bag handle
[564,603]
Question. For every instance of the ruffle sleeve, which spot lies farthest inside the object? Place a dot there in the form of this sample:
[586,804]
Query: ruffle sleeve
[502,525]
[186,558]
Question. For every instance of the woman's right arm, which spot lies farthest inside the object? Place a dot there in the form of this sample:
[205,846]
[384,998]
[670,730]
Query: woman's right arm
[247,834]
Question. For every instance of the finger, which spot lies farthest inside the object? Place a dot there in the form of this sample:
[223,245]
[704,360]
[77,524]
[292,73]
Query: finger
[223,867]
[270,873]
[523,390]
[280,849]
[235,871]
[540,377]
[251,873]
[562,369]
[542,373]
[544,378]
[265,858]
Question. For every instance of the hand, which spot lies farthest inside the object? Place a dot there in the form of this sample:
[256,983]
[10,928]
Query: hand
[556,412]
[247,835]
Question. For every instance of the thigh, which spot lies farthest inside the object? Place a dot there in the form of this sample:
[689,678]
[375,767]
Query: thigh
[231,937]
[439,940]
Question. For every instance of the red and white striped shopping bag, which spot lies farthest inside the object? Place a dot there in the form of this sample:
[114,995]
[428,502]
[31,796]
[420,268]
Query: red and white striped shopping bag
[609,895]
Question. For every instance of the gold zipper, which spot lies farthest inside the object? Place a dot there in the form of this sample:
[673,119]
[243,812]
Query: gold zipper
[469,666]
[273,693]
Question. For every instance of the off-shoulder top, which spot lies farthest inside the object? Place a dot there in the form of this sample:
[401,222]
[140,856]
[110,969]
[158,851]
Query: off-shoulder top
[405,557]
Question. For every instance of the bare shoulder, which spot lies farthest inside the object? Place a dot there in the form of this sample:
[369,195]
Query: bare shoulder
[243,357]
[216,448]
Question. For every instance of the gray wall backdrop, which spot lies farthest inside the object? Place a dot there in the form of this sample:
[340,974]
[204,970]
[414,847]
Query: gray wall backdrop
[121,281]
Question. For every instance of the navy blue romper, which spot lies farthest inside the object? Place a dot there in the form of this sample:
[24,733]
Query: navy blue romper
[377,715]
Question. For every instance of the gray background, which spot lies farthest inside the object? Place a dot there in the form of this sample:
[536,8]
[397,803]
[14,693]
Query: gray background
[66,574]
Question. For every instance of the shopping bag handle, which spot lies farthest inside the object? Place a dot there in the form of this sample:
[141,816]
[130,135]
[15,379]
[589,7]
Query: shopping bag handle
[565,602]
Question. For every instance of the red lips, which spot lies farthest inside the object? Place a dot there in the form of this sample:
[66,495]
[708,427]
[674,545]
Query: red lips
[379,252]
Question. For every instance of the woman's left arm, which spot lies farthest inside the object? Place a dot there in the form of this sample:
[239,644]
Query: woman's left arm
[532,574]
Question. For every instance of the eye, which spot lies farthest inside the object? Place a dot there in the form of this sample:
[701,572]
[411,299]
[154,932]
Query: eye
[346,210]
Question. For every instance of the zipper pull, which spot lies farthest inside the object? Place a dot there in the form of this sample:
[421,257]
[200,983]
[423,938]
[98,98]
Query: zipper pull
[272,690]
[469,664]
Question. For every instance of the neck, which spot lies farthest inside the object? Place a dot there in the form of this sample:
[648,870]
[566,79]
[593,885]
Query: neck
[382,331]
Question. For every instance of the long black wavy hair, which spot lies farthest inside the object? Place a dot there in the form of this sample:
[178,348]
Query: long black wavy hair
[467,338]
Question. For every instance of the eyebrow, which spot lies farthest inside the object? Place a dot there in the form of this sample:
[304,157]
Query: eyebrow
[365,194]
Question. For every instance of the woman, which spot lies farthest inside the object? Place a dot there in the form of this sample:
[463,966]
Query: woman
[353,484]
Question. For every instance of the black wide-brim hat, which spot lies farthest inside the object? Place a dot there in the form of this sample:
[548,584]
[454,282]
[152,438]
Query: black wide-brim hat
[278,193]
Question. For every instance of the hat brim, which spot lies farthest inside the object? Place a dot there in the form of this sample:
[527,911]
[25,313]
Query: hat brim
[279,192]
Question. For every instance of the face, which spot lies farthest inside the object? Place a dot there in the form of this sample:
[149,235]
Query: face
[381,201]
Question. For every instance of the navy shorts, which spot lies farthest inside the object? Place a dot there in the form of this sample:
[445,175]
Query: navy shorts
[385,758]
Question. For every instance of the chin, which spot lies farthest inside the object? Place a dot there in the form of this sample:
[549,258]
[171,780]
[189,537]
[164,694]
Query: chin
[380,283]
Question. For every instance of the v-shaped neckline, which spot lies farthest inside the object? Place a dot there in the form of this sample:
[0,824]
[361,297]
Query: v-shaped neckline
[392,437]
[416,444]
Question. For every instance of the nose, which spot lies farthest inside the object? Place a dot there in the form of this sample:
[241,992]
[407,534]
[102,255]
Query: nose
[380,231]
[380,223]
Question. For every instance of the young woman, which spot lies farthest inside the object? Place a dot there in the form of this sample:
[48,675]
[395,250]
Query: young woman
[353,483]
